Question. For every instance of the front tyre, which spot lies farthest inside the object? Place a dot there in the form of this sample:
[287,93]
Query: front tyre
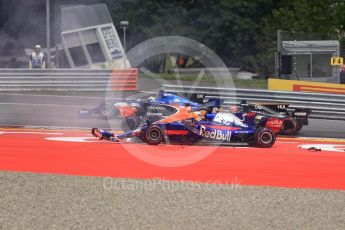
[264,137]
[107,111]
[154,135]
[129,123]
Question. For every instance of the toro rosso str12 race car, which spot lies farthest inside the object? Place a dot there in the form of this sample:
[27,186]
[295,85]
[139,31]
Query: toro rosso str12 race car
[187,127]
[293,118]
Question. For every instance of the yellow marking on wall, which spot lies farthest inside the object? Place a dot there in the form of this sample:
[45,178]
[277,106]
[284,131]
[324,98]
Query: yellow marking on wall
[337,61]
[305,86]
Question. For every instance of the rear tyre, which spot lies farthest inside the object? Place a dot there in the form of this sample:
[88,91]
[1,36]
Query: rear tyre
[290,126]
[129,123]
[107,111]
[154,135]
[264,138]
[299,126]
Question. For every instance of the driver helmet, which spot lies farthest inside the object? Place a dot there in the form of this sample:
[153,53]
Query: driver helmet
[215,110]
[234,109]
[151,98]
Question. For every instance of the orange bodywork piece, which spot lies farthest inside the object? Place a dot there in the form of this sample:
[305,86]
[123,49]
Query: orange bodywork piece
[127,111]
[183,113]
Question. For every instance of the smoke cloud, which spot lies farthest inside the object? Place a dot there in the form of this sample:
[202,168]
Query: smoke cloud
[22,25]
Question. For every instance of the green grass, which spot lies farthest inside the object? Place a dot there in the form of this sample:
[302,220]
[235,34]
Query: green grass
[255,83]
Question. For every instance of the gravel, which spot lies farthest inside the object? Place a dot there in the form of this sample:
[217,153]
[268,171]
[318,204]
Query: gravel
[46,201]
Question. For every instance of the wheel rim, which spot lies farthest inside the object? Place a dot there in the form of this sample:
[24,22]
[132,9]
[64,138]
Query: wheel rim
[154,134]
[266,138]
[107,110]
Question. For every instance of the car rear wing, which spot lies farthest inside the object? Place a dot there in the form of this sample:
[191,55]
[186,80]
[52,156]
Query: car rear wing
[283,108]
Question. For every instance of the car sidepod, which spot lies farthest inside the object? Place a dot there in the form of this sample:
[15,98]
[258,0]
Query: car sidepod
[224,133]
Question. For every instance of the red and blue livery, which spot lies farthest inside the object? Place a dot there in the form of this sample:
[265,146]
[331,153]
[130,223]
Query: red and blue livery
[185,126]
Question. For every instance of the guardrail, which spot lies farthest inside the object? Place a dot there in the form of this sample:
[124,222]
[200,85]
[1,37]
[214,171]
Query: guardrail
[234,72]
[324,106]
[68,79]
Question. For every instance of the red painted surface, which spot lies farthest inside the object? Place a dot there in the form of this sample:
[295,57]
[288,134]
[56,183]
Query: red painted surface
[176,132]
[124,79]
[283,165]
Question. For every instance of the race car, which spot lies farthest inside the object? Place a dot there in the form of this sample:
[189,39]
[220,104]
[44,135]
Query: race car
[106,110]
[293,119]
[132,115]
[187,127]
[110,108]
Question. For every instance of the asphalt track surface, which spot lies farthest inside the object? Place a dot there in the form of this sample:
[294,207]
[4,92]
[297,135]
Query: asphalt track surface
[47,184]
[63,111]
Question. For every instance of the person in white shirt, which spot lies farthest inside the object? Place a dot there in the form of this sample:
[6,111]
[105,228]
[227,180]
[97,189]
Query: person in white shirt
[37,59]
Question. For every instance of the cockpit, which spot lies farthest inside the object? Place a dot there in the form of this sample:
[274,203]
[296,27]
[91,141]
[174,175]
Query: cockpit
[228,119]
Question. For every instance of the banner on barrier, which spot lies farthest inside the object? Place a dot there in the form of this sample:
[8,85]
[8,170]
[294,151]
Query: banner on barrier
[305,86]
[124,79]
